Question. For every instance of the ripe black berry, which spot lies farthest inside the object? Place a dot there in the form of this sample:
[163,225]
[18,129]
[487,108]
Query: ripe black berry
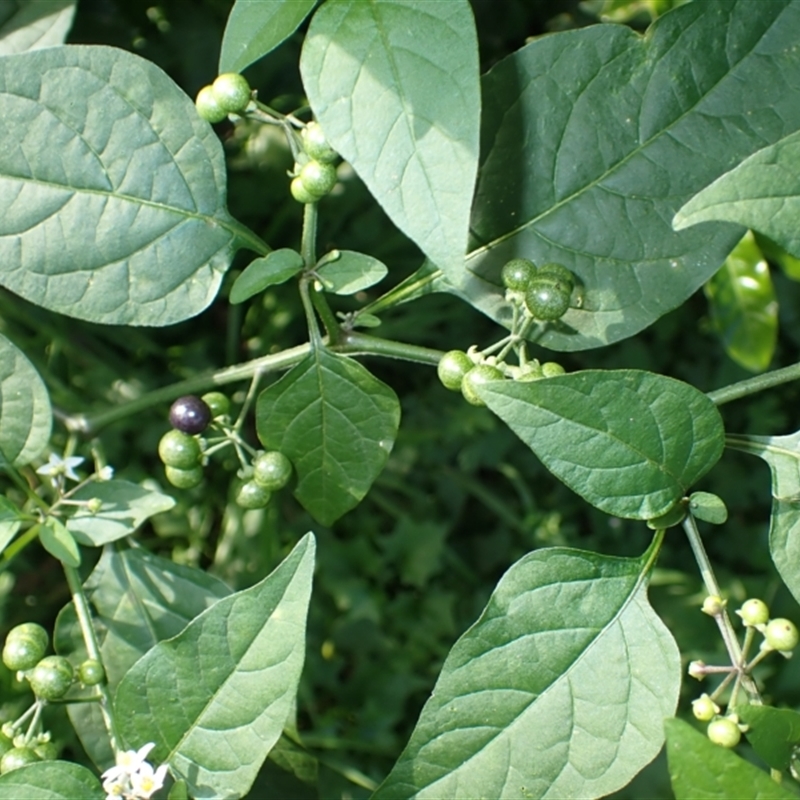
[190,414]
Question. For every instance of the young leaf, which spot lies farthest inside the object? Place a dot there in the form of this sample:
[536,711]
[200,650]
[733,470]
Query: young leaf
[782,453]
[337,423]
[32,24]
[9,522]
[125,506]
[629,442]
[351,272]
[59,542]
[395,86]
[558,690]
[255,27]
[592,139]
[743,305]
[138,599]
[51,780]
[763,193]
[25,414]
[121,218]
[699,768]
[774,733]
[216,697]
[274,268]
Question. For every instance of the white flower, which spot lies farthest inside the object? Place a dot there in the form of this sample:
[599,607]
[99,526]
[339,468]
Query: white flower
[115,788]
[57,466]
[145,781]
[128,762]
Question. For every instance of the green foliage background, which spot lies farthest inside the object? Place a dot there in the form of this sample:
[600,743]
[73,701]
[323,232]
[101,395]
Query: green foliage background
[401,576]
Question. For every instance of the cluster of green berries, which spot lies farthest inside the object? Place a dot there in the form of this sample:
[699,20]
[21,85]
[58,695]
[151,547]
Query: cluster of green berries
[545,291]
[316,175]
[50,678]
[229,94]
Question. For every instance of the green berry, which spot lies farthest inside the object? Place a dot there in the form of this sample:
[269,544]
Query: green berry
[781,635]
[532,371]
[317,178]
[91,672]
[25,645]
[51,677]
[218,404]
[754,612]
[184,478]
[47,751]
[452,368]
[18,757]
[547,298]
[208,107]
[232,92]
[477,376]
[300,193]
[550,369]
[713,605]
[560,272]
[179,450]
[724,732]
[518,273]
[272,470]
[251,495]
[316,145]
[704,708]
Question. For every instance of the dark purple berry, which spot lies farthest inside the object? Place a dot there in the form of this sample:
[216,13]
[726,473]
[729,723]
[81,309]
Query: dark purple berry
[190,414]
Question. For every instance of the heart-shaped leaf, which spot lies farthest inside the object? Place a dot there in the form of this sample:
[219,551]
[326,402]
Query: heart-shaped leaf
[51,780]
[558,690]
[629,442]
[121,218]
[396,89]
[32,24]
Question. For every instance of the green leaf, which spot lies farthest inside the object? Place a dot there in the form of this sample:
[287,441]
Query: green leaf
[121,218]
[274,268]
[348,272]
[558,690]
[774,733]
[744,309]
[58,541]
[51,780]
[762,193]
[395,86]
[708,507]
[25,414]
[629,442]
[337,423]
[125,506]
[32,24]
[701,770]
[255,27]
[10,521]
[782,453]
[215,698]
[592,139]
[138,599]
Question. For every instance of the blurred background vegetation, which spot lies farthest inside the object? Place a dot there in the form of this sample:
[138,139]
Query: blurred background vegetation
[403,575]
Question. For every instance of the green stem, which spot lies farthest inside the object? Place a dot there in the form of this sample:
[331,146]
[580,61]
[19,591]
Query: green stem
[311,316]
[365,345]
[92,648]
[405,290]
[19,544]
[308,240]
[753,385]
[332,327]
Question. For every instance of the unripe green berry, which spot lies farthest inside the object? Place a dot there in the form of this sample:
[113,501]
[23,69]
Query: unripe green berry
[518,273]
[232,92]
[724,732]
[24,646]
[51,677]
[300,193]
[713,605]
[218,404]
[781,635]
[754,612]
[184,478]
[477,376]
[272,470]
[179,450]
[547,298]
[560,272]
[704,708]
[550,369]
[452,368]
[208,106]
[91,672]
[317,178]
[47,751]
[316,145]
[251,495]
[17,757]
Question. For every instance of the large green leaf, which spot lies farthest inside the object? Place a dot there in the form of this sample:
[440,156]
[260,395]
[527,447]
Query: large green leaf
[337,423]
[255,27]
[51,780]
[215,698]
[557,691]
[138,599]
[744,308]
[701,770]
[629,442]
[25,414]
[121,217]
[33,24]
[395,86]
[592,139]
[782,453]
[774,733]
[763,193]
